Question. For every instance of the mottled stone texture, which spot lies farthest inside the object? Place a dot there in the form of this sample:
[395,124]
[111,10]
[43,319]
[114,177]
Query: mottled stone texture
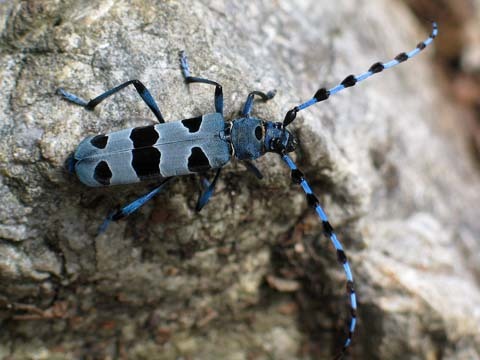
[246,278]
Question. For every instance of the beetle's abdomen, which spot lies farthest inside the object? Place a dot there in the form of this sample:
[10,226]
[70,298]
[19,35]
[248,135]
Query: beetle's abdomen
[156,151]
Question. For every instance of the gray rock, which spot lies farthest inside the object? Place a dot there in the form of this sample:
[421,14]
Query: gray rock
[387,159]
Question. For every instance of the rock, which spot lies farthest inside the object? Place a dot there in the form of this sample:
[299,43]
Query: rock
[386,158]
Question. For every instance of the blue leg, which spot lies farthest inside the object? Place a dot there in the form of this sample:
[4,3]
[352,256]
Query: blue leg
[351,80]
[247,108]
[253,169]
[298,178]
[90,105]
[133,206]
[191,79]
[207,194]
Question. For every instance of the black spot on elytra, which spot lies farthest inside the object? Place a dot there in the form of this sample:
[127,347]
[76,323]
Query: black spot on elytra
[144,136]
[198,161]
[193,124]
[102,173]
[146,162]
[99,141]
[258,133]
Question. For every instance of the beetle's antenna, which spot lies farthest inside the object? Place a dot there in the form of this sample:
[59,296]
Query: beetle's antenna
[323,94]
[298,178]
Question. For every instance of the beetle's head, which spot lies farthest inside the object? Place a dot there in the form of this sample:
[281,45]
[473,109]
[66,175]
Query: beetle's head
[278,139]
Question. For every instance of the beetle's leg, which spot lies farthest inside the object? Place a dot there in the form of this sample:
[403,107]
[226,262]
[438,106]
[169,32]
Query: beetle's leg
[90,105]
[207,194]
[298,178]
[253,169]
[133,206]
[323,94]
[191,79]
[247,108]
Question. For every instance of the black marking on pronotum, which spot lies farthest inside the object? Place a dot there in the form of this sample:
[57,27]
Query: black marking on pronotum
[376,68]
[350,80]
[144,136]
[198,161]
[146,162]
[102,173]
[401,57]
[259,133]
[99,141]
[193,124]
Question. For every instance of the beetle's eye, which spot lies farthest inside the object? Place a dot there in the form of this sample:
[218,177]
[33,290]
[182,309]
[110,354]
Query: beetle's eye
[258,133]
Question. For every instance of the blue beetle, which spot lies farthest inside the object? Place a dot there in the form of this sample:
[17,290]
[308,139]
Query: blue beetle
[206,142]
[175,148]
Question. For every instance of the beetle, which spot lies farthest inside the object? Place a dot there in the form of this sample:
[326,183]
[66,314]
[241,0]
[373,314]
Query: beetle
[207,142]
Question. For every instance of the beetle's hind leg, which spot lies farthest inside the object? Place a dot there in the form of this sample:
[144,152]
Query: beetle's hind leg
[209,187]
[133,206]
[205,196]
[90,105]
[247,108]
[253,169]
[192,79]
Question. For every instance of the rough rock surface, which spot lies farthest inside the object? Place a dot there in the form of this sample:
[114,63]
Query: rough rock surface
[241,280]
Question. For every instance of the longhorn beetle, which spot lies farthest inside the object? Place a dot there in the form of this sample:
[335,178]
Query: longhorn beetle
[205,142]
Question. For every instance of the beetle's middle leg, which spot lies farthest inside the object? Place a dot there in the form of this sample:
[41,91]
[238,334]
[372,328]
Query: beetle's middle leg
[90,105]
[253,169]
[205,196]
[192,79]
